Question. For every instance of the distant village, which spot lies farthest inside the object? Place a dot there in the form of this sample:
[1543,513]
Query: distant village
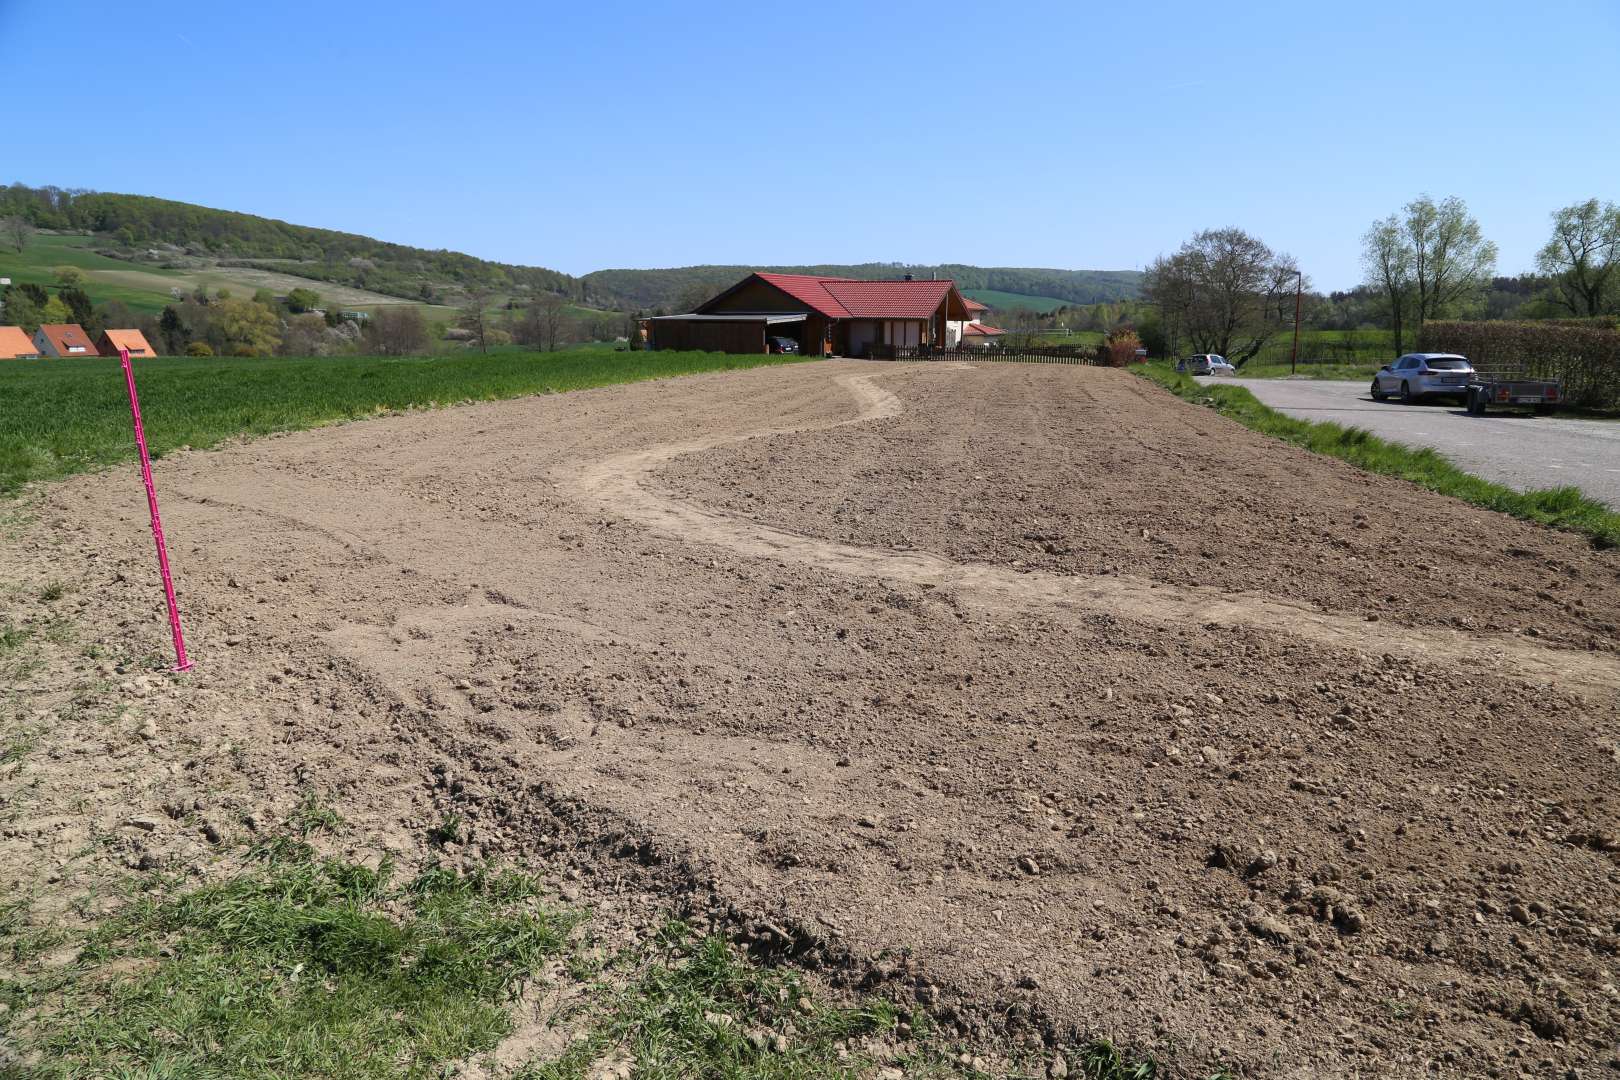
[69,339]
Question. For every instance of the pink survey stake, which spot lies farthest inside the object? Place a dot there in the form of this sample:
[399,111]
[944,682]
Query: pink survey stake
[180,661]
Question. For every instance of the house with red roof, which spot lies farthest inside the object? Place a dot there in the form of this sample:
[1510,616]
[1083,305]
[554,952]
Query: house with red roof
[15,344]
[821,316]
[974,333]
[112,342]
[64,339]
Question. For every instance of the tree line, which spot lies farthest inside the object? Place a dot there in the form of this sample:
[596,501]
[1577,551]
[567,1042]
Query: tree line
[1225,291]
[140,225]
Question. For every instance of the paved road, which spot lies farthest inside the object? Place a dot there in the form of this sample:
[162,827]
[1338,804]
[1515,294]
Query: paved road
[1520,451]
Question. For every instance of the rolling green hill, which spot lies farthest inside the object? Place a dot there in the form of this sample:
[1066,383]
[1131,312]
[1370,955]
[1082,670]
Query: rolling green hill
[136,248]
[160,234]
[1008,301]
[684,287]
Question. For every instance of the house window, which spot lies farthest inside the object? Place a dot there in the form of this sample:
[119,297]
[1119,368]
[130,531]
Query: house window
[75,348]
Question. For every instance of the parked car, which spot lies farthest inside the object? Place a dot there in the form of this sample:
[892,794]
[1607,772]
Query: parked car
[781,345]
[1419,375]
[1206,364]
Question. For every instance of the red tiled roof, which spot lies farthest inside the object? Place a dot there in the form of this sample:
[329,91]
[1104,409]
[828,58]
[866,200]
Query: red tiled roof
[66,337]
[853,298]
[890,299]
[112,340]
[973,305]
[981,329]
[811,290]
[14,342]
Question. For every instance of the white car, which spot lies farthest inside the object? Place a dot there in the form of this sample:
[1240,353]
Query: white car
[1206,364]
[1419,375]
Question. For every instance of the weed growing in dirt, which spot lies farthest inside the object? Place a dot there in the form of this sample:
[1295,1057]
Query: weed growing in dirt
[686,1005]
[314,816]
[63,416]
[52,592]
[1562,508]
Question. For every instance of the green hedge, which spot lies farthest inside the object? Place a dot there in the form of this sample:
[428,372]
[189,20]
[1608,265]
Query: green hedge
[1583,353]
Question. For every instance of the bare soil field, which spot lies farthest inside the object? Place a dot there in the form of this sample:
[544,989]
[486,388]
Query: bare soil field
[1028,693]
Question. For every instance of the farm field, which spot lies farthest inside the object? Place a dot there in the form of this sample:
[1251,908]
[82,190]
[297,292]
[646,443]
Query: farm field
[64,416]
[972,686]
[145,287]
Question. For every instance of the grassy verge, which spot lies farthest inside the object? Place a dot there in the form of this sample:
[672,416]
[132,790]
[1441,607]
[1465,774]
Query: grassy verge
[1562,508]
[1354,370]
[300,965]
[63,416]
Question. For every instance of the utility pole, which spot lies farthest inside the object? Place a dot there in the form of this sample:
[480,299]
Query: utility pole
[1299,291]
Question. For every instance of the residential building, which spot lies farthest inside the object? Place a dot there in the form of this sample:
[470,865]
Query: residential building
[109,342]
[64,339]
[15,344]
[823,315]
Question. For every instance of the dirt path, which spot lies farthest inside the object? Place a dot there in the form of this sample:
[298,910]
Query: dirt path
[976,684]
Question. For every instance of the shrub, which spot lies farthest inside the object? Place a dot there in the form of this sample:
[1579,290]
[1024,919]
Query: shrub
[1121,346]
[199,348]
[1583,353]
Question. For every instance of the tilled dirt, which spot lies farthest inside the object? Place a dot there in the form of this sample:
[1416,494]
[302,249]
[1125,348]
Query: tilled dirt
[1028,693]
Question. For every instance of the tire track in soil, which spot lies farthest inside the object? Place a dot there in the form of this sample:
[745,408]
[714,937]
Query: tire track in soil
[625,485]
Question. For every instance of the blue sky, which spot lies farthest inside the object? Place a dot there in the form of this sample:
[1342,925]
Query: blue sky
[583,136]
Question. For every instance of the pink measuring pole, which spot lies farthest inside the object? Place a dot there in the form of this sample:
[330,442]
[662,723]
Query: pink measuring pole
[180,661]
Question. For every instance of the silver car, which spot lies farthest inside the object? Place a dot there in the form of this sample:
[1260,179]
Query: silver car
[1419,375]
[1206,364]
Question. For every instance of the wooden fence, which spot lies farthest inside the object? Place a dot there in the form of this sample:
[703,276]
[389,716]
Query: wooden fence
[1047,354]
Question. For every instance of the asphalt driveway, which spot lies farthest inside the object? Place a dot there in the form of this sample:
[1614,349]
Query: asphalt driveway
[1520,451]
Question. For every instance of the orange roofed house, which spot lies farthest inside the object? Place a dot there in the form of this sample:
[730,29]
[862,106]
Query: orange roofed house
[67,339]
[110,341]
[821,315]
[15,344]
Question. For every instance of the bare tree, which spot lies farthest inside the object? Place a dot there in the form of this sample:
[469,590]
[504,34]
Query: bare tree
[17,229]
[474,319]
[1225,290]
[397,330]
[543,324]
[1582,255]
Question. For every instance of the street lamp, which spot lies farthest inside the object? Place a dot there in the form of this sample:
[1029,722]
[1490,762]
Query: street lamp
[1299,290]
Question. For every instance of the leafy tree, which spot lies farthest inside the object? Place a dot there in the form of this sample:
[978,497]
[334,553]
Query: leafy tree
[55,313]
[301,300]
[1427,262]
[1225,290]
[80,309]
[22,310]
[68,276]
[199,348]
[35,293]
[245,328]
[174,333]
[1582,255]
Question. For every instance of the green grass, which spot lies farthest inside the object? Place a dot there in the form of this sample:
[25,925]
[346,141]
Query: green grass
[1006,301]
[45,252]
[1357,371]
[303,967]
[299,965]
[1561,508]
[58,417]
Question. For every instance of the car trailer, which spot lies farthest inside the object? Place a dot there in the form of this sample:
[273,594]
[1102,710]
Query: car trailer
[1488,388]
